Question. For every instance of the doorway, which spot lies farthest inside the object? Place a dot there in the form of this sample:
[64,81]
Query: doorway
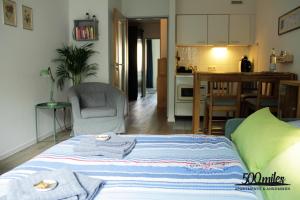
[145,51]
[147,77]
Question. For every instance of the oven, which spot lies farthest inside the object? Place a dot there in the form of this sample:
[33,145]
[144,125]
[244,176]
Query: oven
[184,95]
[185,92]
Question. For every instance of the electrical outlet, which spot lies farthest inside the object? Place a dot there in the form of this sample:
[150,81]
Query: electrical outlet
[212,69]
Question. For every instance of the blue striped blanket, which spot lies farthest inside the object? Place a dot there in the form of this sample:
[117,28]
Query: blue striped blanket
[176,167]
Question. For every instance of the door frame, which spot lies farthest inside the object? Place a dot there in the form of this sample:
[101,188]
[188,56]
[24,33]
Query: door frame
[117,17]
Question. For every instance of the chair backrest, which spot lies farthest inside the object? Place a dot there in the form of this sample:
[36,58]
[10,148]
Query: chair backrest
[224,89]
[92,94]
[248,87]
[267,89]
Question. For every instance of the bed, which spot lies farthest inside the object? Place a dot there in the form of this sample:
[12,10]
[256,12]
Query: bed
[173,167]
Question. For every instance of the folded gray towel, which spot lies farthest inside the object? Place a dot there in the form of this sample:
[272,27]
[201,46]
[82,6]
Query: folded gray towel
[114,141]
[113,149]
[70,186]
[109,152]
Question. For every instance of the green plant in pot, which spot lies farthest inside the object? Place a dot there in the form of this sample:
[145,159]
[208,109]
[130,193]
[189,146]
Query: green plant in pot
[73,64]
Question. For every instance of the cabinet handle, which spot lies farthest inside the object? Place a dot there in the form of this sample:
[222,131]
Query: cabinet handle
[236,42]
[222,42]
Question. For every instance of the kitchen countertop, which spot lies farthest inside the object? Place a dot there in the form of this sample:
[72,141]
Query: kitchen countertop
[184,74]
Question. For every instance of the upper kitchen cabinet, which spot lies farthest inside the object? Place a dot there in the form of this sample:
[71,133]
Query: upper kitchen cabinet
[218,29]
[240,30]
[191,29]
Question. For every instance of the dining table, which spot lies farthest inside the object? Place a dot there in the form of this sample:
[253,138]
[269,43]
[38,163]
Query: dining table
[228,76]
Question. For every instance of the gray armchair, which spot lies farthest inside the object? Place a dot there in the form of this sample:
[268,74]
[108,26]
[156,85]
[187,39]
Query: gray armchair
[96,108]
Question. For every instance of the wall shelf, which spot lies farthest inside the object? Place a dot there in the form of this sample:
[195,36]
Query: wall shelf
[85,30]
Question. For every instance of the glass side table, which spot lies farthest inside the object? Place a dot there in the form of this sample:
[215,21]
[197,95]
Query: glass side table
[50,106]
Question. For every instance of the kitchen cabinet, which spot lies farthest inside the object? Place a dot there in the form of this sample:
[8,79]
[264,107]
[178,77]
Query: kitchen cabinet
[215,29]
[218,29]
[240,30]
[191,29]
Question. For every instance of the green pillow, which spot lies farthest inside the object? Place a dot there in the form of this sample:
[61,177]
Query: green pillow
[262,136]
[287,165]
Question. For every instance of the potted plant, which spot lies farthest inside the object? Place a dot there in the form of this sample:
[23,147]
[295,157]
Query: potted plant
[73,64]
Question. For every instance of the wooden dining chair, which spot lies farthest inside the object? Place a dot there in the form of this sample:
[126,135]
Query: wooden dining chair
[223,96]
[248,90]
[267,96]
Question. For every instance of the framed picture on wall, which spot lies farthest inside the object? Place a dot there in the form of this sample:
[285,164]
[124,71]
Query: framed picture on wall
[10,12]
[27,17]
[289,21]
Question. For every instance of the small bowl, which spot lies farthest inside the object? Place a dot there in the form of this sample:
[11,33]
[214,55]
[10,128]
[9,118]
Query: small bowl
[45,185]
[103,137]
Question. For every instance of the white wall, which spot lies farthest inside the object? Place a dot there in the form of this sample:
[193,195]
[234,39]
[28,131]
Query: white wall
[23,54]
[214,7]
[268,12]
[155,57]
[145,8]
[100,8]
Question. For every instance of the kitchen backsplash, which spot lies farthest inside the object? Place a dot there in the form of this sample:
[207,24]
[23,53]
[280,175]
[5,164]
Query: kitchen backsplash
[208,58]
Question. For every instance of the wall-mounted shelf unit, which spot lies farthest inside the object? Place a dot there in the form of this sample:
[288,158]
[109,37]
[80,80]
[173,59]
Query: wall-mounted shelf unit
[85,30]
[285,58]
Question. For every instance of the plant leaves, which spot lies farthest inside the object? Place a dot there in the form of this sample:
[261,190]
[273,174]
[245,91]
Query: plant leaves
[73,63]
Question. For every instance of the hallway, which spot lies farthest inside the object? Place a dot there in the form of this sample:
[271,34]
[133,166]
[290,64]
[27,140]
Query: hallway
[145,118]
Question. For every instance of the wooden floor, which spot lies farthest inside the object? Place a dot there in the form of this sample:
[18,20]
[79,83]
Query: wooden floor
[143,118]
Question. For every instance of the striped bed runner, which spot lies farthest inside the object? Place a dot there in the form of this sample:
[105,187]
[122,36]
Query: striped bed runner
[173,167]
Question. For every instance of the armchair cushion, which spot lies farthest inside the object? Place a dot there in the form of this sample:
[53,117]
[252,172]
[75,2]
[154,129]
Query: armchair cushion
[90,100]
[97,107]
[95,112]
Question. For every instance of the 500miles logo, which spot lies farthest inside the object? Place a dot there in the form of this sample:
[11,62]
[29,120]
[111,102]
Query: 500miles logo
[259,180]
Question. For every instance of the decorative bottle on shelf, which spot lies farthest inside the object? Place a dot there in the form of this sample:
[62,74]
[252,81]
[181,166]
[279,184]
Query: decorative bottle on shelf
[272,66]
[87,15]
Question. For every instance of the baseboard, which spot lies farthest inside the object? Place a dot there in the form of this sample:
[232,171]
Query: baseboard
[26,145]
[171,118]
[17,149]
